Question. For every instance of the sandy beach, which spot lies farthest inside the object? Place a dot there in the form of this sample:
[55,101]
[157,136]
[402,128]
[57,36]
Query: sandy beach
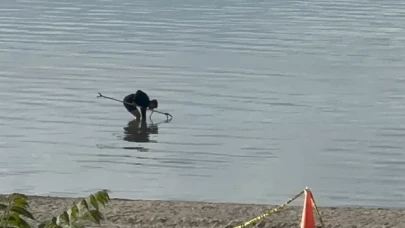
[125,213]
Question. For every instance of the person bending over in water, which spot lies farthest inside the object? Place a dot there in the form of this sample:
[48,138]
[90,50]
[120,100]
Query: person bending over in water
[140,99]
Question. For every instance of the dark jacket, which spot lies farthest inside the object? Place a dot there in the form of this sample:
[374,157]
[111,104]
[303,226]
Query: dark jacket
[141,99]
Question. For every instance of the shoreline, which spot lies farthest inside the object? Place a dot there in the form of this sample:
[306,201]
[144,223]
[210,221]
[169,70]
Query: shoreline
[126,213]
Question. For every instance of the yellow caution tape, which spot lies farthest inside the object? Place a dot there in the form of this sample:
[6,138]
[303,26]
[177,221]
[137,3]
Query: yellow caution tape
[277,209]
[317,211]
[269,212]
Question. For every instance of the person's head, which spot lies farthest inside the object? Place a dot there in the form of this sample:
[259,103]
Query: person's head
[153,104]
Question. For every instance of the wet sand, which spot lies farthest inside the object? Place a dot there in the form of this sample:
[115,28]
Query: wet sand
[125,213]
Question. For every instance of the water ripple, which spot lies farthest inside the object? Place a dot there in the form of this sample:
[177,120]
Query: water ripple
[254,87]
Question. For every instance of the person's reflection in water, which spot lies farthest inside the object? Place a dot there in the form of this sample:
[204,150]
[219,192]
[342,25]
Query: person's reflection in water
[138,131]
[135,133]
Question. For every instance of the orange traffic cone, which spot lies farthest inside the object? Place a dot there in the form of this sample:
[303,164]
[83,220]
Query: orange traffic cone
[308,220]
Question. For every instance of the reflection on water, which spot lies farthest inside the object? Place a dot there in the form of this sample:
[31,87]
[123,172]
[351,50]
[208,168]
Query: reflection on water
[139,131]
[138,148]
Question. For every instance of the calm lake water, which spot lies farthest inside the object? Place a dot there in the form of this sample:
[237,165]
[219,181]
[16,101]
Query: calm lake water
[267,97]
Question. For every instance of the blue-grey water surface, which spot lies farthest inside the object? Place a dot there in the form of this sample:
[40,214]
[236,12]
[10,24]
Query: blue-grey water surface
[267,97]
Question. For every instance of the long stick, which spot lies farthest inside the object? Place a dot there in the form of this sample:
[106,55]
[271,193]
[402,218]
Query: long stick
[111,98]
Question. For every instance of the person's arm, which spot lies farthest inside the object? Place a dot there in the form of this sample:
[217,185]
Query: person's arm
[143,111]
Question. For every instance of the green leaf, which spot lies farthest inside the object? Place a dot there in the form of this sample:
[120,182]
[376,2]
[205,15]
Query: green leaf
[22,211]
[16,221]
[49,224]
[80,212]
[13,221]
[73,211]
[77,225]
[14,218]
[93,201]
[103,197]
[21,202]
[3,207]
[46,224]
[84,203]
[65,217]
[93,216]
[24,224]
[43,224]
[54,219]
[17,199]
[13,196]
